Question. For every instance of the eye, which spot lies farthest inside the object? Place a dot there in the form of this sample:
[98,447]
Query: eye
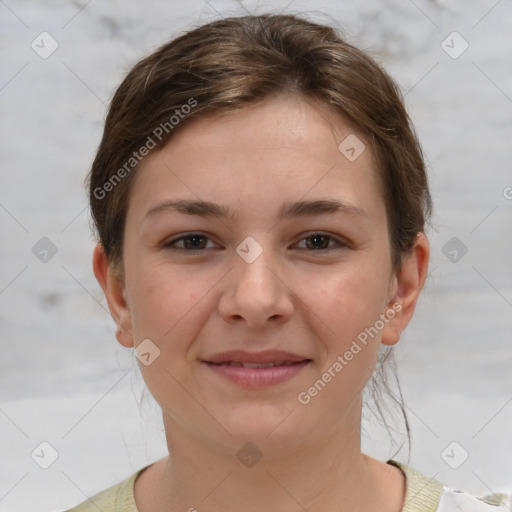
[198,242]
[320,242]
[191,242]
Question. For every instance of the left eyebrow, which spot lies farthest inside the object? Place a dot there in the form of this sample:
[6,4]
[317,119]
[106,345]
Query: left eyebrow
[319,207]
[287,210]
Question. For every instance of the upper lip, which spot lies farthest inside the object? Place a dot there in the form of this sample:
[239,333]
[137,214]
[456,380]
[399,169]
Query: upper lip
[267,356]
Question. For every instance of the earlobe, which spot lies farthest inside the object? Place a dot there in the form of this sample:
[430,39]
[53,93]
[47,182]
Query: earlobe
[408,286]
[114,293]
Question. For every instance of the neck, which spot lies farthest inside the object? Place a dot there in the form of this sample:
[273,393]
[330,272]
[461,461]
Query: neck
[328,474]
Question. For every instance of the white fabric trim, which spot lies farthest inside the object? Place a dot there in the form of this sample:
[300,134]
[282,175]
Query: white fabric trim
[455,500]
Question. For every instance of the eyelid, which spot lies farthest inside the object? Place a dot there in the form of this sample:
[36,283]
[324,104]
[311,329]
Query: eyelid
[340,242]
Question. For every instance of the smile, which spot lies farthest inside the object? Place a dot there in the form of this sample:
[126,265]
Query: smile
[255,375]
[257,365]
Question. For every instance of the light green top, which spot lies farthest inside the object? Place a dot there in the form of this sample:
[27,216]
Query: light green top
[422,494]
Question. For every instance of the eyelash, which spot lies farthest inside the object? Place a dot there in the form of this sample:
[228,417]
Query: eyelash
[170,244]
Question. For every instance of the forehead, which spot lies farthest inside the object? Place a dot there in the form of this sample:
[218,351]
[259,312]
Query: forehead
[281,150]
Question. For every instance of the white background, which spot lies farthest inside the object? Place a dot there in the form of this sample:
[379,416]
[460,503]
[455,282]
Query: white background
[63,377]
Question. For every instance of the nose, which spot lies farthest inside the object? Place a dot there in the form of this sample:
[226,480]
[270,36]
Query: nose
[256,293]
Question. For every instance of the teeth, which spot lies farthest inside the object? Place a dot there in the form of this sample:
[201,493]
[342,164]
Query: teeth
[261,365]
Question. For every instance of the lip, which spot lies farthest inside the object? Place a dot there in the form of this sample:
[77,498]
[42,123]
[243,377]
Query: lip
[257,377]
[266,356]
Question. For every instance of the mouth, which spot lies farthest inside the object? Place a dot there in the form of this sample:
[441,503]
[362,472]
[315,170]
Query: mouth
[243,357]
[246,364]
[252,370]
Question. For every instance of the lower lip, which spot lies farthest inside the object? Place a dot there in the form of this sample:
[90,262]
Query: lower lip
[258,377]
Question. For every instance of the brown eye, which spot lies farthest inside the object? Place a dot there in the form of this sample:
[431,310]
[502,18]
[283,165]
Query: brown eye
[317,242]
[192,242]
[320,242]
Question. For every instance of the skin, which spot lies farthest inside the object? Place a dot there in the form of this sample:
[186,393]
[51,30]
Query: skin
[293,297]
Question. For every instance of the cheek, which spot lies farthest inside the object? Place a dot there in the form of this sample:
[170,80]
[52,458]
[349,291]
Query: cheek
[347,301]
[349,304]
[163,308]
[165,303]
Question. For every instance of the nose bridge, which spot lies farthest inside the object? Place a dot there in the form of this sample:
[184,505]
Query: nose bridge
[253,266]
[255,291]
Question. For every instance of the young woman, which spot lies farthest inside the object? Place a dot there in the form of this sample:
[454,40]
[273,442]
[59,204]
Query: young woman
[260,199]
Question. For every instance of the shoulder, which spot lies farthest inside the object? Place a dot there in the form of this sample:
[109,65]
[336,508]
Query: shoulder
[424,494]
[118,498]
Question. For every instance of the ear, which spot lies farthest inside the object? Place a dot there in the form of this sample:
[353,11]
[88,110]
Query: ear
[406,288]
[113,289]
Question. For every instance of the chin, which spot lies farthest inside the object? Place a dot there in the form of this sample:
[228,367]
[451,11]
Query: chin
[266,426]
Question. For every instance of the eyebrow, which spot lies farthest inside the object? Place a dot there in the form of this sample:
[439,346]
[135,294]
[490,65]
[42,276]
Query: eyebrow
[287,210]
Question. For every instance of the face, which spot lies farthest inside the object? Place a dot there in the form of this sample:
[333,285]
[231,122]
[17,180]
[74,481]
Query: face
[284,275]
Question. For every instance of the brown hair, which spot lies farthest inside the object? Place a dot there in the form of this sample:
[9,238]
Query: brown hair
[235,62]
